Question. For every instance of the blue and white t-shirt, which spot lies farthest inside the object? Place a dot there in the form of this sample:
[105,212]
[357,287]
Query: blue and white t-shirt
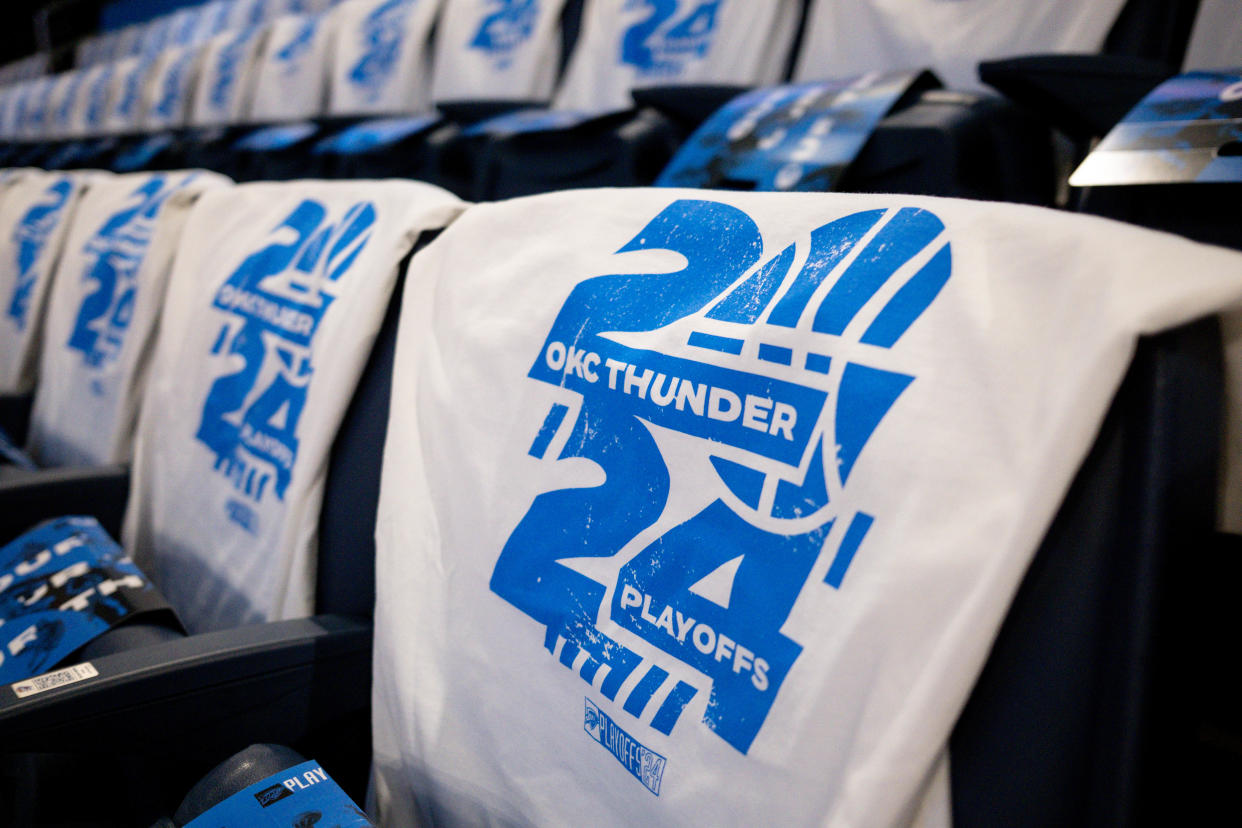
[488,50]
[291,79]
[103,314]
[226,79]
[381,56]
[627,44]
[36,211]
[276,296]
[845,38]
[704,508]
[168,93]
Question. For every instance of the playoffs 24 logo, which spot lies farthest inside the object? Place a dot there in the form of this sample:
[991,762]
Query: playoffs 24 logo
[726,405]
[274,302]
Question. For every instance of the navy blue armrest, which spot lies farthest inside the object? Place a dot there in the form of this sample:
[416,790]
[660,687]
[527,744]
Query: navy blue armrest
[30,497]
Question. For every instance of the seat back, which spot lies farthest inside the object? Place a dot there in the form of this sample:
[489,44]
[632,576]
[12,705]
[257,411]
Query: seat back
[103,315]
[381,56]
[1216,40]
[497,51]
[292,73]
[625,45]
[126,96]
[226,79]
[290,283]
[173,78]
[846,38]
[709,506]
[35,214]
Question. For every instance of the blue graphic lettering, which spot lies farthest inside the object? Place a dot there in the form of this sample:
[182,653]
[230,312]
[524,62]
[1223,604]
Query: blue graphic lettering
[660,44]
[707,589]
[291,53]
[31,237]
[115,253]
[228,64]
[275,300]
[505,28]
[382,33]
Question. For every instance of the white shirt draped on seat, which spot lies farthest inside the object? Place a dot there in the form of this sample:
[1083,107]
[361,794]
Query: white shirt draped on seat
[702,508]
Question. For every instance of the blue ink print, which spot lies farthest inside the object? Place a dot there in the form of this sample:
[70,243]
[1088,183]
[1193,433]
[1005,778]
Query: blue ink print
[31,237]
[275,301]
[504,28]
[382,33]
[115,254]
[709,588]
[674,33]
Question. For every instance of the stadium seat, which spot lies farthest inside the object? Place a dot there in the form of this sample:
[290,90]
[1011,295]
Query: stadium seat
[297,680]
[594,135]
[581,464]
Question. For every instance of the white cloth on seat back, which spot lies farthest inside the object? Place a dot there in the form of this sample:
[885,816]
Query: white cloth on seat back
[226,77]
[291,78]
[167,94]
[703,508]
[127,94]
[497,50]
[626,44]
[276,296]
[851,37]
[103,314]
[36,211]
[63,103]
[1216,41]
[97,89]
[381,60]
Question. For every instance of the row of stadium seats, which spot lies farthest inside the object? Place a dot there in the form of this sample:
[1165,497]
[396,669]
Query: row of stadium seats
[260,402]
[452,496]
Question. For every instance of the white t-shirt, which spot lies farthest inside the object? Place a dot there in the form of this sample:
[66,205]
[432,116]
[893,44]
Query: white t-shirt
[127,94]
[36,211]
[292,74]
[103,315]
[851,37]
[276,296]
[381,57]
[626,44]
[1216,41]
[497,50]
[168,94]
[226,78]
[702,508]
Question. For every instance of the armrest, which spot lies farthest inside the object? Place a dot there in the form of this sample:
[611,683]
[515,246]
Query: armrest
[15,416]
[204,695]
[27,498]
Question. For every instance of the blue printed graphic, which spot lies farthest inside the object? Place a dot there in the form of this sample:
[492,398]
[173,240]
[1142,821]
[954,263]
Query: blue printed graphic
[303,796]
[290,55]
[275,301]
[1187,129]
[62,584]
[173,86]
[131,91]
[64,108]
[795,137]
[504,28]
[702,589]
[674,33]
[115,253]
[97,98]
[643,763]
[382,33]
[224,85]
[30,238]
